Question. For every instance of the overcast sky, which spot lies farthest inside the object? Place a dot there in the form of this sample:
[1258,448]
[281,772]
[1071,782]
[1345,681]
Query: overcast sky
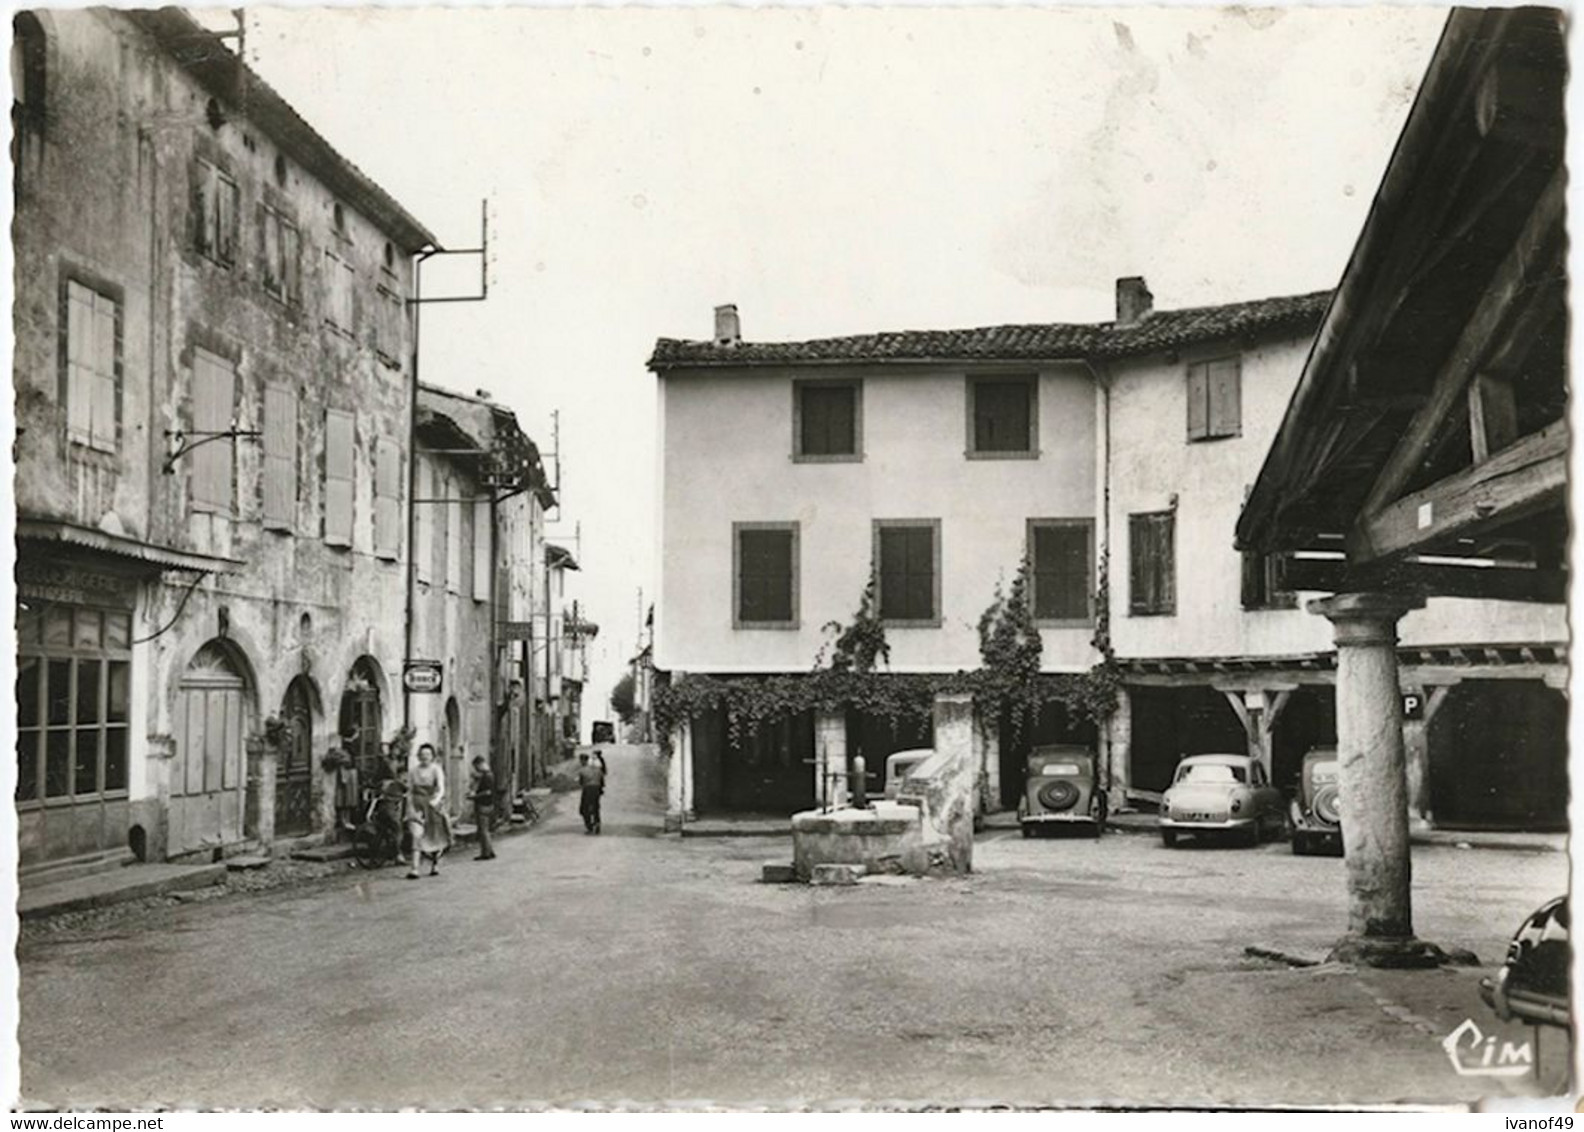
[832,171]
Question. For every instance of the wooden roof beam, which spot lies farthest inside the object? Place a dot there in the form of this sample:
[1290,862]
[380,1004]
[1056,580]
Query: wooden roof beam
[1523,478]
[1515,291]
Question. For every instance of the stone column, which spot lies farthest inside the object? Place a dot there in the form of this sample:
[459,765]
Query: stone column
[1374,784]
[987,741]
[1120,729]
[676,787]
[830,756]
[951,804]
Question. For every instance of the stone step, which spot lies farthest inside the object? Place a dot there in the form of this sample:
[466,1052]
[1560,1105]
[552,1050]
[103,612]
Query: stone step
[247,863]
[323,853]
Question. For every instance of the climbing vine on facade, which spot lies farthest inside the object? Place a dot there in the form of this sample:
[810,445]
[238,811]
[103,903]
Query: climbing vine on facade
[1009,675]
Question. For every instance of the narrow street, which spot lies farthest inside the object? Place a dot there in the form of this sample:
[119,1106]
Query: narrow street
[636,967]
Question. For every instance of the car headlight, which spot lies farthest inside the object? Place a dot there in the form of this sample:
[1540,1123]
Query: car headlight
[1237,805]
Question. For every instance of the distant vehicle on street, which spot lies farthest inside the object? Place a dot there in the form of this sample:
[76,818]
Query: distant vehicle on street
[1316,810]
[1221,795]
[1532,985]
[898,765]
[1062,790]
[604,731]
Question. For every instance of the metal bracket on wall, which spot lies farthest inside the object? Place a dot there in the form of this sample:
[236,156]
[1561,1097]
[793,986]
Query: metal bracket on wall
[185,445]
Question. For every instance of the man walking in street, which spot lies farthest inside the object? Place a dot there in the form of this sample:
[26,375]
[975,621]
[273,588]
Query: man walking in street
[483,807]
[592,779]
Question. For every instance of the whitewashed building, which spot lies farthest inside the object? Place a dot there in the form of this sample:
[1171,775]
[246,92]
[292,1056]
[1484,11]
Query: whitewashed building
[938,459]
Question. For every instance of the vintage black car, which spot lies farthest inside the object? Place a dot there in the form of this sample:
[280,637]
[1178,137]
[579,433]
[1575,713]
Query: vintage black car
[1062,790]
[1532,985]
[604,731]
[1317,808]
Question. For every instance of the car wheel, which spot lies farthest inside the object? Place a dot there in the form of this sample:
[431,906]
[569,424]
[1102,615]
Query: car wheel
[1168,837]
[368,848]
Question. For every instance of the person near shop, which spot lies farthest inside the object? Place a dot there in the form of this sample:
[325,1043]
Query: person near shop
[592,780]
[483,807]
[426,821]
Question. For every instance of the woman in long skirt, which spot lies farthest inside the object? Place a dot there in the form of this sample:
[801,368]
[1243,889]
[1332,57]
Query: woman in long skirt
[426,821]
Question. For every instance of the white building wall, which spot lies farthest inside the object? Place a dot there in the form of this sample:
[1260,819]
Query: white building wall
[1152,462]
[727,457]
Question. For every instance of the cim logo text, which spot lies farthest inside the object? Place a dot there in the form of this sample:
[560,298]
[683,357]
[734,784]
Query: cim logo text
[1475,1053]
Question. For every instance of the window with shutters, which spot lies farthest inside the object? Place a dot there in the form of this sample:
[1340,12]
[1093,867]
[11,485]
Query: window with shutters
[827,421]
[91,365]
[280,256]
[1152,563]
[280,458]
[1061,558]
[340,452]
[1215,399]
[424,520]
[216,208]
[388,326]
[1265,582]
[765,576]
[908,553]
[387,499]
[338,292]
[482,548]
[213,461]
[1003,413]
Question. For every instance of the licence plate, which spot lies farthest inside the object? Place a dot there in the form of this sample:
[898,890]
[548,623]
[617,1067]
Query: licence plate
[1200,815]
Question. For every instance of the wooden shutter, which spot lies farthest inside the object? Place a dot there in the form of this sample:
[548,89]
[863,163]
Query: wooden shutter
[226,219]
[1198,401]
[424,511]
[453,535]
[280,458]
[907,573]
[482,558]
[764,582]
[102,430]
[214,402]
[202,207]
[79,363]
[1061,571]
[1225,397]
[387,498]
[291,262]
[1152,583]
[893,573]
[339,452]
[829,420]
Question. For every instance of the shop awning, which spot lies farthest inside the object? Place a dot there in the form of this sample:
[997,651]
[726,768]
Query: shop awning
[159,558]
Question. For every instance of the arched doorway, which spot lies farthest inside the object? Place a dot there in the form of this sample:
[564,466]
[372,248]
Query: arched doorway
[294,769]
[208,779]
[362,716]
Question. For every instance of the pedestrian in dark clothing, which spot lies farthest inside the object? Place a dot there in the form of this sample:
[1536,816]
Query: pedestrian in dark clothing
[483,807]
[592,779]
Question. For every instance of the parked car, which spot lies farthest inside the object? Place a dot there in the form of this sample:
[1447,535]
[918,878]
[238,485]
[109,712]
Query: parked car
[1317,809]
[604,731]
[1228,795]
[1532,985]
[899,764]
[1062,789]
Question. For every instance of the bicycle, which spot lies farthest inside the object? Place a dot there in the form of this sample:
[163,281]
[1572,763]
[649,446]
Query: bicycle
[377,839]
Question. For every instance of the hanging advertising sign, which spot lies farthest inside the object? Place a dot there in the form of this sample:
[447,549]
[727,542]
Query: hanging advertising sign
[422,675]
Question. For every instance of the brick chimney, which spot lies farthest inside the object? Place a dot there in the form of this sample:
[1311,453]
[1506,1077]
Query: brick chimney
[728,331]
[1133,300]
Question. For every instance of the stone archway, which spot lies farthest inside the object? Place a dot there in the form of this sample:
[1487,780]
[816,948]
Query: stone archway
[453,753]
[215,713]
[361,718]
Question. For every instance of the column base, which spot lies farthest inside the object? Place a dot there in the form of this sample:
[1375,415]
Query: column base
[674,821]
[1397,952]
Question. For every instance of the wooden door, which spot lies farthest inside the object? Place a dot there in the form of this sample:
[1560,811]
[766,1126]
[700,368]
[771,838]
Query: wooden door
[208,778]
[293,771]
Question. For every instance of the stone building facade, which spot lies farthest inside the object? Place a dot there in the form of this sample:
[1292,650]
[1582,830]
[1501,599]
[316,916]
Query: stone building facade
[213,383]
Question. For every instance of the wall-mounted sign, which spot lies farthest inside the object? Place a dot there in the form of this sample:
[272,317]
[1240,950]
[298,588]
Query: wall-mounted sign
[1413,705]
[422,675]
[516,630]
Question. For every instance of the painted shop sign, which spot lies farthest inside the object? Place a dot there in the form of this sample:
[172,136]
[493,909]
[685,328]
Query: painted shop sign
[422,675]
[46,581]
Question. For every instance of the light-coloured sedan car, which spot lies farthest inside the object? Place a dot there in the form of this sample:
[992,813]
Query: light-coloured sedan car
[1227,795]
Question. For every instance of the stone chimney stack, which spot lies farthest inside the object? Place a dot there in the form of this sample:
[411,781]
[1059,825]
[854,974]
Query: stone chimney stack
[728,331]
[1133,300]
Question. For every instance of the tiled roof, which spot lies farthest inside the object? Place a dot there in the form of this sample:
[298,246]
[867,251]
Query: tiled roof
[1054,341]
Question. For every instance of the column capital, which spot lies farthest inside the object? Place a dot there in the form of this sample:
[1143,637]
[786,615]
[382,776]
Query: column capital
[1365,619]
